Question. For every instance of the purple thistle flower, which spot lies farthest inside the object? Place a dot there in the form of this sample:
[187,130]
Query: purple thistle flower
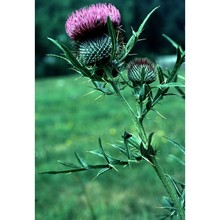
[91,21]
[142,70]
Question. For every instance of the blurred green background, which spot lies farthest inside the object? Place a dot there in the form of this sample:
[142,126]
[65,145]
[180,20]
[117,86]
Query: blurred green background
[68,121]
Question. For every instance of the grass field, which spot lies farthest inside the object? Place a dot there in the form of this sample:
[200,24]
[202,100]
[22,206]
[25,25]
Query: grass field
[67,121]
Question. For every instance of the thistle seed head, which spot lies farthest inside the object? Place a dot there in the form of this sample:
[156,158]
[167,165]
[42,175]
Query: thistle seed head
[142,70]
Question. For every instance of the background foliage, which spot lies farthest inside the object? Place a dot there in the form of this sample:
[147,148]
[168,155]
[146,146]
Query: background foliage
[50,18]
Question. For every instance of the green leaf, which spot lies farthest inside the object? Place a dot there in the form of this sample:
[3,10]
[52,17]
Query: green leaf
[68,164]
[174,73]
[102,171]
[114,161]
[181,92]
[150,138]
[167,201]
[180,147]
[141,27]
[64,171]
[102,151]
[58,56]
[122,150]
[81,161]
[111,32]
[135,35]
[159,95]
[173,42]
[134,142]
[96,152]
[171,84]
[178,159]
[160,75]
[148,105]
[176,183]
[143,151]
[72,59]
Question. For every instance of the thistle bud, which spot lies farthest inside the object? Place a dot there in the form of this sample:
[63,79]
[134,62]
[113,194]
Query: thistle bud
[142,71]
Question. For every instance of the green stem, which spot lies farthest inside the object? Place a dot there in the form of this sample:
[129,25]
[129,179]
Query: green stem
[141,117]
[169,188]
[130,110]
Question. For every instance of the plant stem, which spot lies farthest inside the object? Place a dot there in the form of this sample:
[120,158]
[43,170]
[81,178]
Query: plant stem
[130,110]
[169,188]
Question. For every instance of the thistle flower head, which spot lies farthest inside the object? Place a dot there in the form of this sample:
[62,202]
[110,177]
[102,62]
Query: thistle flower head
[142,70]
[91,21]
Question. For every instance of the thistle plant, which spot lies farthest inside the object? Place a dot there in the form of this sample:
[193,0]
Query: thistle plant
[99,53]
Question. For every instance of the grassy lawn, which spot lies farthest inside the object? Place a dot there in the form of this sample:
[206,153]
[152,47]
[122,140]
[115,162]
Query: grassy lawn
[68,121]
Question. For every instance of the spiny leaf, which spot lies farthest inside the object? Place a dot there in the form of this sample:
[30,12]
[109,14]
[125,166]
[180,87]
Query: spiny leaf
[134,142]
[111,32]
[96,152]
[167,201]
[101,172]
[159,95]
[180,147]
[150,138]
[64,171]
[159,113]
[160,75]
[58,56]
[141,27]
[72,59]
[171,84]
[122,150]
[178,159]
[175,184]
[135,35]
[102,151]
[181,92]
[68,164]
[81,160]
[172,42]
[174,73]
